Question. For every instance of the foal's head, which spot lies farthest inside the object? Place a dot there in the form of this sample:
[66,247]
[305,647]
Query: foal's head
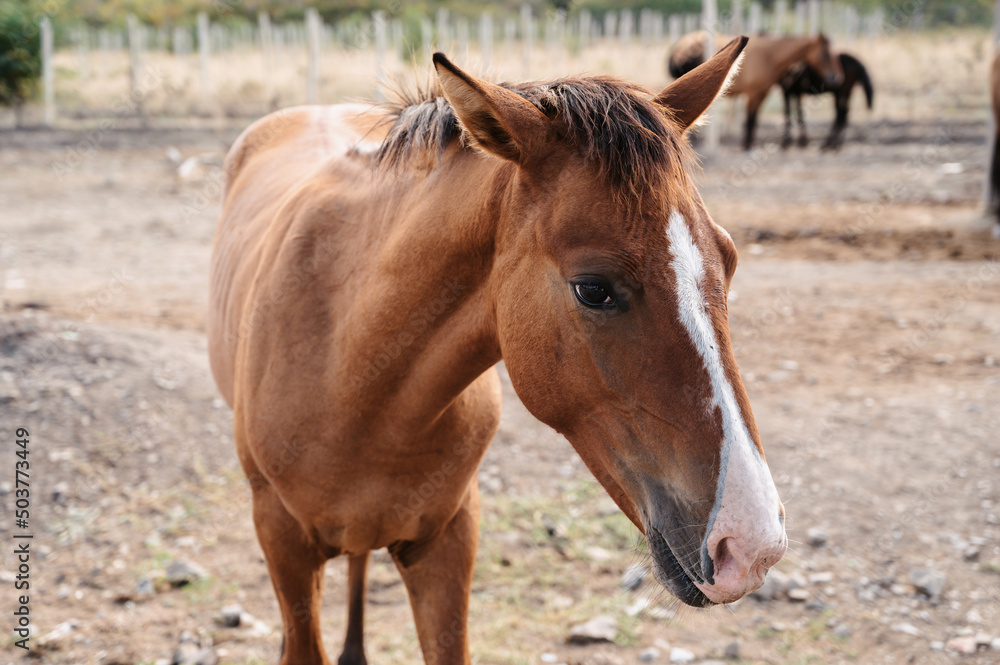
[609,284]
[822,60]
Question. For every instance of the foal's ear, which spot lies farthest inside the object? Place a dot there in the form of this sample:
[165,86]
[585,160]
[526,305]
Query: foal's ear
[498,120]
[690,96]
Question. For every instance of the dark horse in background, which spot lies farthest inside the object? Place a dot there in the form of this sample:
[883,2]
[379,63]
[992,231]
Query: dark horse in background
[804,80]
[994,202]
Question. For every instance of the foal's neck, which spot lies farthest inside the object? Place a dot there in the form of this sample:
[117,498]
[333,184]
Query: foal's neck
[427,327]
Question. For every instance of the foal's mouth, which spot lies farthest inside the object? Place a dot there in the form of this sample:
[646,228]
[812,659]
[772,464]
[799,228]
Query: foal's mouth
[671,574]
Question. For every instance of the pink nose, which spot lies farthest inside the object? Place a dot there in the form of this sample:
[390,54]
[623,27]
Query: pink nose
[740,562]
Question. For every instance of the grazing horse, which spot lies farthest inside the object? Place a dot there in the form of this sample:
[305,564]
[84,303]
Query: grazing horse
[766,59]
[373,264]
[994,186]
[802,79]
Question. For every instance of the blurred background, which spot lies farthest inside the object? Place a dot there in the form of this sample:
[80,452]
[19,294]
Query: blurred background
[865,315]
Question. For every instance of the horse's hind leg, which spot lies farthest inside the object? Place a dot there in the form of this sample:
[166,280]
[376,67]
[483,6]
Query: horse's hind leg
[296,568]
[438,576]
[836,137]
[803,135]
[753,105]
[786,139]
[357,582]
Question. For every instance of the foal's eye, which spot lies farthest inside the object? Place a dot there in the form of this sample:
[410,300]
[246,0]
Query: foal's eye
[594,294]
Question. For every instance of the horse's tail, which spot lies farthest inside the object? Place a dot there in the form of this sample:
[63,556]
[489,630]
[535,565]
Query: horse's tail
[688,53]
[681,63]
[864,80]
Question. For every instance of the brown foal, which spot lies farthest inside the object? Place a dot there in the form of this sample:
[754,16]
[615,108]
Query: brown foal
[371,267]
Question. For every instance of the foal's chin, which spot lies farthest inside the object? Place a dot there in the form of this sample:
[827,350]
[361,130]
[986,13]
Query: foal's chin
[671,574]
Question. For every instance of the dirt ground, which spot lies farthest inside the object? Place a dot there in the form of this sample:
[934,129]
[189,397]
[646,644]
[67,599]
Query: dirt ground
[866,318]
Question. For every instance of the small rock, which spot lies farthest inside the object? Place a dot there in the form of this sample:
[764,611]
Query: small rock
[798,595]
[599,554]
[971,553]
[549,658]
[180,573]
[937,645]
[185,654]
[118,656]
[983,639]
[638,606]
[145,587]
[995,644]
[901,589]
[231,616]
[634,576]
[775,585]
[5,488]
[59,493]
[928,582]
[965,645]
[842,632]
[650,655]
[796,581]
[599,629]
[9,392]
[816,537]
[53,638]
[679,655]
[907,628]
[732,651]
[973,616]
[821,578]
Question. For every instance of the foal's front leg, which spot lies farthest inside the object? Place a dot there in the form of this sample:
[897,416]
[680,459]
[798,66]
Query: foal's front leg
[438,576]
[296,567]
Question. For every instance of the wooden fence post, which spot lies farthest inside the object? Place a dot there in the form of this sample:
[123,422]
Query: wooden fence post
[800,17]
[266,46]
[736,24]
[48,80]
[753,19]
[780,17]
[585,28]
[996,22]
[486,39]
[135,45]
[313,31]
[676,27]
[443,41]
[378,19]
[709,21]
[527,38]
[203,53]
[814,17]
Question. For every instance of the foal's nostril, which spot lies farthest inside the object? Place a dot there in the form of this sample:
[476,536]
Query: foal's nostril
[722,554]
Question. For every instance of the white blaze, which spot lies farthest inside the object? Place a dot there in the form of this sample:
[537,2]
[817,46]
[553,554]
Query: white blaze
[746,501]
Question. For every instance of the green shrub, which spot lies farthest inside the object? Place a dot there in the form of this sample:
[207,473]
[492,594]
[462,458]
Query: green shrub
[20,52]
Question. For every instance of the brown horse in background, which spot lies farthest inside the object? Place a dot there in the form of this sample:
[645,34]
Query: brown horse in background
[765,60]
[995,158]
[373,264]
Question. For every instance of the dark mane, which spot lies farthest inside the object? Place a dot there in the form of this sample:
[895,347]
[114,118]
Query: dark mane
[612,122]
